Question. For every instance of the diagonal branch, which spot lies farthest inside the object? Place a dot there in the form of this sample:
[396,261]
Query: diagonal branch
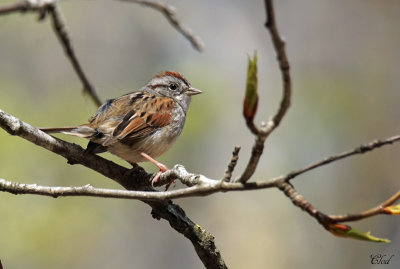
[202,240]
[232,164]
[73,153]
[60,30]
[21,6]
[299,201]
[169,12]
[329,221]
[256,152]
[62,34]
[380,209]
[358,150]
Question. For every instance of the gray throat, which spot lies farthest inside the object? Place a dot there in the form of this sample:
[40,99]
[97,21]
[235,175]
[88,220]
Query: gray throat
[184,102]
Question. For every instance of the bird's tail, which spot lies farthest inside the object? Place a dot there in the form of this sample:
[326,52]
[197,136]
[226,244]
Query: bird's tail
[81,131]
[51,130]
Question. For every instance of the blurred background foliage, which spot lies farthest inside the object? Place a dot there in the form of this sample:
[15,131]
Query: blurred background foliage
[345,61]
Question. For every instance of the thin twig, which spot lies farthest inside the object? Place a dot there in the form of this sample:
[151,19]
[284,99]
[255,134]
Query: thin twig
[170,13]
[265,131]
[21,6]
[253,127]
[368,213]
[358,150]
[232,164]
[62,34]
[256,153]
[326,220]
[284,66]
[299,201]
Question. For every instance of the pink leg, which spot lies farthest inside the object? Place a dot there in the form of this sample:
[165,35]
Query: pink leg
[161,166]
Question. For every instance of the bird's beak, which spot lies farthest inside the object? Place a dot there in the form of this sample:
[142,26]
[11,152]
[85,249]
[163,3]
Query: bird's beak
[192,91]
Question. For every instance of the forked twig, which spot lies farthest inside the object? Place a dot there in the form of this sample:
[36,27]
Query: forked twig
[232,164]
[266,130]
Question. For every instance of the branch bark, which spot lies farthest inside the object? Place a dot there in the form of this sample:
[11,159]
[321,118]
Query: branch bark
[202,241]
[137,182]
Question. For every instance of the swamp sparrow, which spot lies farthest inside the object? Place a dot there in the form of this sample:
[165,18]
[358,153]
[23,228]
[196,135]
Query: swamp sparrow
[139,126]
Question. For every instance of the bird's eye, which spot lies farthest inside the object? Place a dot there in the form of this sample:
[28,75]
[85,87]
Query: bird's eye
[173,87]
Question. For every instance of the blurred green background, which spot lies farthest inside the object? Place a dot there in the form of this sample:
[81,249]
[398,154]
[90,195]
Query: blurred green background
[345,61]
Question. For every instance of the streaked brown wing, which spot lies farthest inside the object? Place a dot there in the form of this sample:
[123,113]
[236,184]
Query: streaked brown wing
[146,115]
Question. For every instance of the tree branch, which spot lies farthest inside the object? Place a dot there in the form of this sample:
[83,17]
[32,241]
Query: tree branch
[380,209]
[328,221]
[266,130]
[170,13]
[21,6]
[299,201]
[61,32]
[358,150]
[137,182]
[136,179]
[60,29]
[256,152]
[232,164]
[161,201]
[284,66]
[199,185]
[73,153]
